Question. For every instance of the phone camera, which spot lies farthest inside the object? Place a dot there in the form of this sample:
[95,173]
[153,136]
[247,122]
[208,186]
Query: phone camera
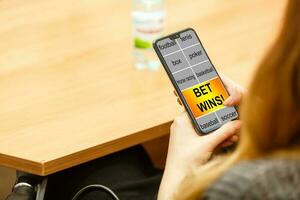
[173,37]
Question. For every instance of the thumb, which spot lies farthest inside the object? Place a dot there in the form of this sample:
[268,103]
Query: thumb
[235,98]
[223,133]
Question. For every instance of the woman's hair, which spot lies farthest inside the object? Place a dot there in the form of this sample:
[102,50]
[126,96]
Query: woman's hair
[271,110]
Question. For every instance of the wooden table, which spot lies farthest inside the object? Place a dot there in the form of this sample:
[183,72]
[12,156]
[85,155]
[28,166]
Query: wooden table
[69,92]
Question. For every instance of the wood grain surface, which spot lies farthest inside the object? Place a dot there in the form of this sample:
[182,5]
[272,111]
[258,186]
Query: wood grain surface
[69,92]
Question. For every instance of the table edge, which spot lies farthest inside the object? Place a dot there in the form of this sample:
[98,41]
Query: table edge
[44,168]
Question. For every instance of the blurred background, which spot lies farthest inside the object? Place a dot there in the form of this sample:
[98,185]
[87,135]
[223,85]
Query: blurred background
[69,48]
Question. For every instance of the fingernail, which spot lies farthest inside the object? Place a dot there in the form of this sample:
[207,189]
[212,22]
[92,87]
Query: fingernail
[238,124]
[234,138]
[228,101]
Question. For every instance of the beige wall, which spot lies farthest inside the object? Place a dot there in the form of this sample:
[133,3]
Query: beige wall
[7,178]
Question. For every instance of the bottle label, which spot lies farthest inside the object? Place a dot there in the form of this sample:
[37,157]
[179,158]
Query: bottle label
[148,26]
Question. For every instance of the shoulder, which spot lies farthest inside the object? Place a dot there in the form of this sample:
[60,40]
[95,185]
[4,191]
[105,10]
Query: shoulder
[259,179]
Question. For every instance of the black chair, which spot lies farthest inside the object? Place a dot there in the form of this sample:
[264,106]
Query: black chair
[28,187]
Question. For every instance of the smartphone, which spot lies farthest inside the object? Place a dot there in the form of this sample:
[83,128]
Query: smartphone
[195,79]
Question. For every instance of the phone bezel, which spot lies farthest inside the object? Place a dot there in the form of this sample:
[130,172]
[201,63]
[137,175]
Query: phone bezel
[185,104]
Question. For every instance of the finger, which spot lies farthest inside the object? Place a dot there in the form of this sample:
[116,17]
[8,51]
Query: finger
[236,92]
[225,80]
[234,99]
[228,101]
[234,138]
[232,86]
[183,120]
[227,83]
[226,144]
[225,132]
[183,123]
[229,141]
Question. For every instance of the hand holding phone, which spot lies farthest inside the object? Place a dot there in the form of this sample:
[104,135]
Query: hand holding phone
[188,151]
[195,79]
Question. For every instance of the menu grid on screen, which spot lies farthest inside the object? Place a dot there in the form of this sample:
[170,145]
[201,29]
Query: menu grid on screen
[197,79]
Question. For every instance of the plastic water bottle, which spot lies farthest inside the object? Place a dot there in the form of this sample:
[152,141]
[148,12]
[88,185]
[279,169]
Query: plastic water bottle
[148,24]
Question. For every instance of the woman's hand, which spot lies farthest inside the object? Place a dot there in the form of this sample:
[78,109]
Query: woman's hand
[236,93]
[188,150]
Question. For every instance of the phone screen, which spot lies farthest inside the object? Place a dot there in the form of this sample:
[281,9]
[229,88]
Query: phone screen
[195,79]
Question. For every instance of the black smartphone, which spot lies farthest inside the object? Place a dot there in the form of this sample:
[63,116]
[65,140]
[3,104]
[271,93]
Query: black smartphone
[195,79]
